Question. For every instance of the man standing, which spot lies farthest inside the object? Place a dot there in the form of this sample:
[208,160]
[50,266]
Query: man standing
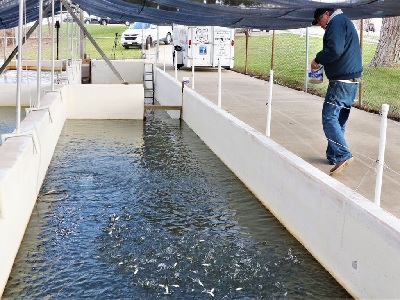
[341,58]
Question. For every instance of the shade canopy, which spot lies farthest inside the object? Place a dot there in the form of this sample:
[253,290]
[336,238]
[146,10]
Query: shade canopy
[262,14]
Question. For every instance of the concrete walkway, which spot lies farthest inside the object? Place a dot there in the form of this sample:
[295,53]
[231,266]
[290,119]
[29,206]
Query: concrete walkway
[296,125]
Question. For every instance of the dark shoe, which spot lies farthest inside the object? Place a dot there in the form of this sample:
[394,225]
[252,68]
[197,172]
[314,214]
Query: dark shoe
[331,162]
[340,166]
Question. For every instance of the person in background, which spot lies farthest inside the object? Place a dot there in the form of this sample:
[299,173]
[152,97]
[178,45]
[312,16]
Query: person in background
[341,58]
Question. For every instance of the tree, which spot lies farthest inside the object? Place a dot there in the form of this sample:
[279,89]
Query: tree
[388,49]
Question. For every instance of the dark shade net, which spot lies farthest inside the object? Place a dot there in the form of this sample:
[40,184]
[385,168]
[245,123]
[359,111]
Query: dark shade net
[263,14]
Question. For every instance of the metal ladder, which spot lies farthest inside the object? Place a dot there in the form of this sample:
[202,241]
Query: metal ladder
[148,82]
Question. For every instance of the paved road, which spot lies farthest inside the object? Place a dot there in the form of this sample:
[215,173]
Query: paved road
[296,125]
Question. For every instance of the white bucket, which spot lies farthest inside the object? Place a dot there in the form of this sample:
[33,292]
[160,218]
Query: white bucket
[317,75]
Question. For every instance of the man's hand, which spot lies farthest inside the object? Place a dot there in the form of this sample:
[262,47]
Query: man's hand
[314,65]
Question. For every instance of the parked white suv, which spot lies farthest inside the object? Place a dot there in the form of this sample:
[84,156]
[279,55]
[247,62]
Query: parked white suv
[140,34]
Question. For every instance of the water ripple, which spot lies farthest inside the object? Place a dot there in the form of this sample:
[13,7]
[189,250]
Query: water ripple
[152,213]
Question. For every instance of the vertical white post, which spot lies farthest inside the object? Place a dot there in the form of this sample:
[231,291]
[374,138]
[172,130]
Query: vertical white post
[164,59]
[39,62]
[77,30]
[5,44]
[19,66]
[158,44]
[61,35]
[68,42]
[72,41]
[52,43]
[192,75]
[381,155]
[176,64]
[143,41]
[191,52]
[219,83]
[307,59]
[269,107]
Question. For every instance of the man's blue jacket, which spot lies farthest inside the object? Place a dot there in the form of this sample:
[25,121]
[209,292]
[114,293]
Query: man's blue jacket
[341,54]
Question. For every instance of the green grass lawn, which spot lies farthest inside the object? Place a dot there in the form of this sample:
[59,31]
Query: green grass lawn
[103,35]
[289,61]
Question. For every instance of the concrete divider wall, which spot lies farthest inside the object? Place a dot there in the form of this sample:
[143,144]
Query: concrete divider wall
[23,166]
[357,242]
[105,101]
[8,95]
[131,71]
[172,95]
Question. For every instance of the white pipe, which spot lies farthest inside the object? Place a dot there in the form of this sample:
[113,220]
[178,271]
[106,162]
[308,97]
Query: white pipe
[78,34]
[269,104]
[52,43]
[68,41]
[19,66]
[143,41]
[307,59]
[5,45]
[191,50]
[61,35]
[164,59]
[219,83]
[158,44]
[176,64]
[72,41]
[381,155]
[39,63]
[192,74]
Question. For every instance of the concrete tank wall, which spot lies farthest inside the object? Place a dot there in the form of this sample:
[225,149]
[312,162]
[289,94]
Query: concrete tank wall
[131,71]
[105,101]
[23,165]
[356,241]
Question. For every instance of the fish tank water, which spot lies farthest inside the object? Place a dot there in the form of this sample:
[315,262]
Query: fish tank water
[145,210]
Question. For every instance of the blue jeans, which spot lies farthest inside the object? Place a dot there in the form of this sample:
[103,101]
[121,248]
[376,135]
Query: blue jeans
[335,112]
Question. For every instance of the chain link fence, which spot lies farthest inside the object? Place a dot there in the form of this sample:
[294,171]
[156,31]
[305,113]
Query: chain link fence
[256,53]
[285,51]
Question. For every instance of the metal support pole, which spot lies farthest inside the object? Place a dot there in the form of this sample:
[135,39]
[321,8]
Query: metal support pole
[381,155]
[144,41]
[158,44]
[19,67]
[39,62]
[192,75]
[246,64]
[176,64]
[5,44]
[307,59]
[82,39]
[91,39]
[269,104]
[219,84]
[61,35]
[360,85]
[164,59]
[68,45]
[273,49]
[57,39]
[52,46]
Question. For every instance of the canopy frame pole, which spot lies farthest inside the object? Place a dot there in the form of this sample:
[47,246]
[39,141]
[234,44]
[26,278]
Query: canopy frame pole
[52,46]
[92,40]
[39,61]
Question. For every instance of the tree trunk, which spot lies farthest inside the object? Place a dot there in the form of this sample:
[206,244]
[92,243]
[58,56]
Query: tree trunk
[388,50]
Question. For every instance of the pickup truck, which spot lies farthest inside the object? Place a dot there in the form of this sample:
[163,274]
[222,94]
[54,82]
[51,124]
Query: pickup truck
[140,34]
